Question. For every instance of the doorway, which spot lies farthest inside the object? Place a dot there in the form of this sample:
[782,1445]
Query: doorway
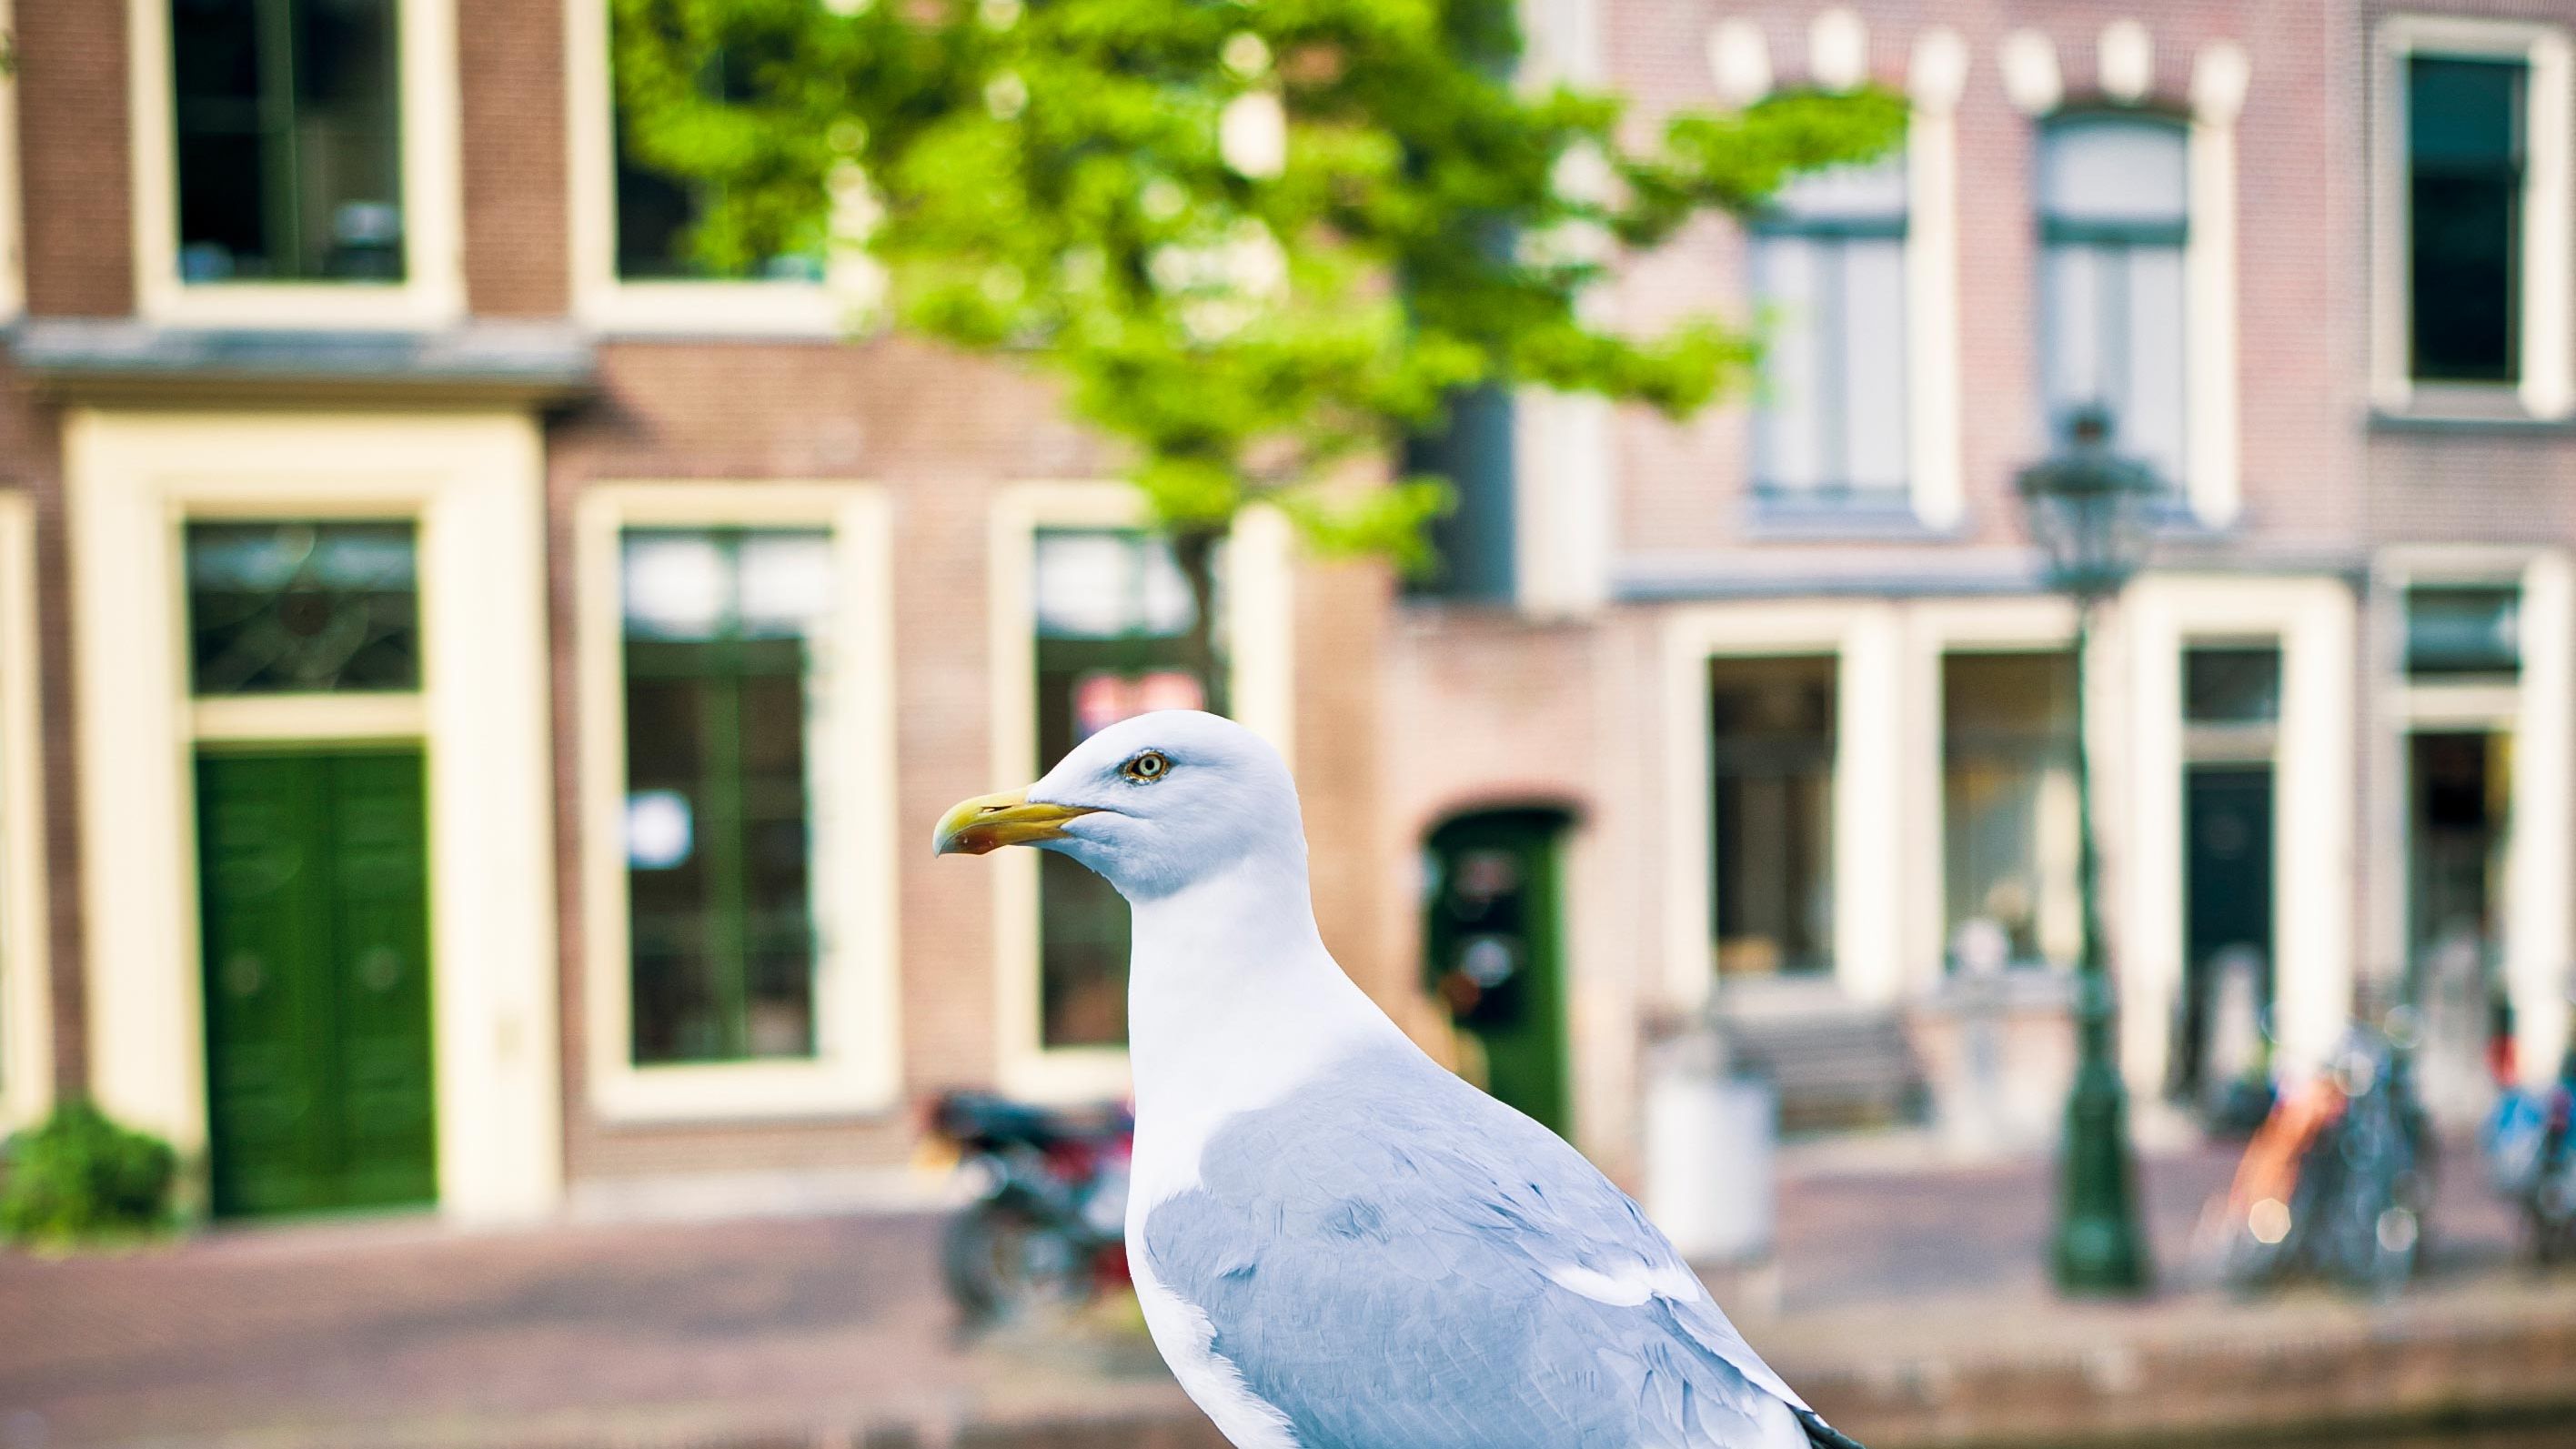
[313,899]
[2459,830]
[2227,923]
[1493,952]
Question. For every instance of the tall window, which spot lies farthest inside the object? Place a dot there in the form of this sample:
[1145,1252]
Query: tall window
[2464,161]
[1113,613]
[2008,810]
[2113,214]
[658,213]
[1828,270]
[723,633]
[1772,767]
[289,140]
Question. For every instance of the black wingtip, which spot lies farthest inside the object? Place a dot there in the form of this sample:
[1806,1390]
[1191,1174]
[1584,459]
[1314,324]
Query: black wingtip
[1824,1435]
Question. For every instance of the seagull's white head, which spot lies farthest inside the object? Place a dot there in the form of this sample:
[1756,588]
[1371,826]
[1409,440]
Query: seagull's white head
[1154,804]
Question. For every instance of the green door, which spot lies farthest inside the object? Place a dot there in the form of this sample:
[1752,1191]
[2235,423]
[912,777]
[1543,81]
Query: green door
[1493,951]
[314,894]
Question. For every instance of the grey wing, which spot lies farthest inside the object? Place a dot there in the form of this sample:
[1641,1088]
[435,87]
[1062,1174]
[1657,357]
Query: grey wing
[1393,1260]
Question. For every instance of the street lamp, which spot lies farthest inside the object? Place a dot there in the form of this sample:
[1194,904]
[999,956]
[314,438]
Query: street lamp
[2091,513]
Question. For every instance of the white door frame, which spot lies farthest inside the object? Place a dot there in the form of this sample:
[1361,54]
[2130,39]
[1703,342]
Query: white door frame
[474,481]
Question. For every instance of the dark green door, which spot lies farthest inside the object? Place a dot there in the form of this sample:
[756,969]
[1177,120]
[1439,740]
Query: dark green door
[1493,950]
[314,899]
[2227,873]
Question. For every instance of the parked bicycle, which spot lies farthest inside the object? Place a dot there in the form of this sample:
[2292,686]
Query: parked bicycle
[2530,1146]
[1046,1215]
[2338,1181]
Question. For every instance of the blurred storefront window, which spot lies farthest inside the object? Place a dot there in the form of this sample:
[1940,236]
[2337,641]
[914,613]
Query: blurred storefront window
[1828,269]
[2464,163]
[289,140]
[2008,808]
[1113,611]
[722,628]
[2114,210]
[1772,765]
[302,607]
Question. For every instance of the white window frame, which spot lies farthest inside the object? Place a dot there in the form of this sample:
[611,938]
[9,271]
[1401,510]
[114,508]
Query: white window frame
[1865,638]
[2546,388]
[432,292]
[474,482]
[2160,618]
[606,302]
[1935,630]
[857,1064]
[2538,711]
[1259,607]
[26,994]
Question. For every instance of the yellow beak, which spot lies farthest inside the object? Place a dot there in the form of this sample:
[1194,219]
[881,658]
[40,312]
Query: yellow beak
[989,822]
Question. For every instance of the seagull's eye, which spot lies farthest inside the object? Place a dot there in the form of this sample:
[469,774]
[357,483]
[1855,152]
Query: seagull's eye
[1147,767]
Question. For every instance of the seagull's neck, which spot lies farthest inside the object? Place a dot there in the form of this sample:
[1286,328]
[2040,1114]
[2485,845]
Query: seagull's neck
[1232,998]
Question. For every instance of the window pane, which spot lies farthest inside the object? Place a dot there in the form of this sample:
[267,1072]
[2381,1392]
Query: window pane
[2464,199]
[2149,408]
[2235,685]
[657,212]
[2009,814]
[280,607]
[722,632]
[2114,171]
[1875,191]
[288,140]
[1873,356]
[1112,611]
[1772,768]
[1788,435]
[2463,630]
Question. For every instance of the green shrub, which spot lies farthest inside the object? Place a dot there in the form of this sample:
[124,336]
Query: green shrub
[81,1178]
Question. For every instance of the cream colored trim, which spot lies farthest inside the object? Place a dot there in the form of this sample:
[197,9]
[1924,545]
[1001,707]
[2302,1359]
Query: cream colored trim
[2313,846]
[433,293]
[1837,49]
[2540,864]
[857,1066]
[2218,82]
[13,252]
[1866,638]
[1259,621]
[2124,60]
[275,718]
[2548,372]
[475,481]
[2028,61]
[1938,78]
[1739,61]
[2539,711]
[1934,630]
[26,986]
[602,300]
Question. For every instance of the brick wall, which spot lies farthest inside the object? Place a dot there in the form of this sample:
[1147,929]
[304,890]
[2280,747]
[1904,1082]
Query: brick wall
[72,157]
[510,83]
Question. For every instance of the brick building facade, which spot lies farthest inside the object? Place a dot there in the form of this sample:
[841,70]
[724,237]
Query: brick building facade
[1788,671]
[370,452]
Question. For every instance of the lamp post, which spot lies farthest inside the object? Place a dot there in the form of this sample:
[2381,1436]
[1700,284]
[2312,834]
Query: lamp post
[2090,513]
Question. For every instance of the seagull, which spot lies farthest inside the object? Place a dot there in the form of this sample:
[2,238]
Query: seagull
[1337,1243]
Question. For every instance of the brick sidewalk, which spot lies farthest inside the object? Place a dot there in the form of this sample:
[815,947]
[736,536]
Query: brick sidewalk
[1896,1296]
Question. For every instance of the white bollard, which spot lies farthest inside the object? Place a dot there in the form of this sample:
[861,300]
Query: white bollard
[1710,1176]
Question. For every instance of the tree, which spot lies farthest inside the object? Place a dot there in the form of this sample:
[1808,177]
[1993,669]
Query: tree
[1260,242]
